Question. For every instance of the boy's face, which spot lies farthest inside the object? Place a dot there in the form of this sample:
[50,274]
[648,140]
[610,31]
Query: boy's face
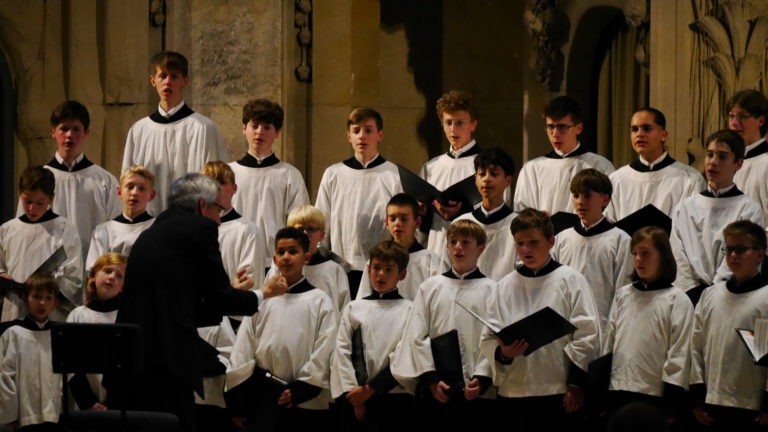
[647,260]
[315,233]
[69,136]
[589,205]
[169,85]
[647,136]
[464,252]
[365,137]
[290,259]
[747,125]
[35,204]
[384,275]
[719,165]
[743,259]
[135,192]
[491,181]
[401,223]
[533,247]
[260,136]
[563,133]
[41,303]
[228,190]
[458,127]
[109,281]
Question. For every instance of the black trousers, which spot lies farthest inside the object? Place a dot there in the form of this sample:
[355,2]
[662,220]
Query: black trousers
[537,413]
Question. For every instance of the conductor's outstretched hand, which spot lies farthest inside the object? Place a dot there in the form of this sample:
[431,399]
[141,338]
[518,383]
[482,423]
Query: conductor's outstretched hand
[275,286]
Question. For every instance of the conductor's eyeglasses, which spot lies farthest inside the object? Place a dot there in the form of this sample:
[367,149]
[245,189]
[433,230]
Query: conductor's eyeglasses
[560,127]
[738,250]
[739,117]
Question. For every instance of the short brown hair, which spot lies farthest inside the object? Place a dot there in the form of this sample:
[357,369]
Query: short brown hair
[753,102]
[749,229]
[264,111]
[592,180]
[219,171]
[388,250]
[70,110]
[730,138]
[170,61]
[138,170]
[532,218]
[660,240]
[35,177]
[359,115]
[111,258]
[40,282]
[457,100]
[467,228]
[563,106]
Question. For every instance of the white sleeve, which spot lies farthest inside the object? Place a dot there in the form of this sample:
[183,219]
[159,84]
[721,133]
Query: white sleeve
[71,276]
[98,247]
[343,376]
[585,343]
[128,151]
[698,337]
[9,397]
[342,288]
[686,276]
[365,284]
[413,357]
[526,191]
[677,367]
[623,266]
[112,205]
[610,330]
[316,370]
[323,203]
[297,193]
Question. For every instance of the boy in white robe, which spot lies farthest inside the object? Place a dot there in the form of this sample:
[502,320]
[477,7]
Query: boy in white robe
[494,172]
[543,182]
[174,140]
[85,192]
[728,389]
[269,188]
[698,221]
[28,241]
[654,178]
[594,246]
[291,338]
[30,393]
[748,116]
[137,188]
[544,390]
[380,318]
[434,313]
[402,222]
[354,193]
[321,271]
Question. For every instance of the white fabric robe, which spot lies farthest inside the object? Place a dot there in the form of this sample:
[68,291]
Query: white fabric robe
[30,392]
[499,257]
[114,236]
[327,276]
[544,372]
[434,313]
[665,188]
[293,337]
[649,333]
[604,259]
[354,202]
[751,179]
[422,265]
[382,323]
[266,196]
[239,243]
[544,183]
[25,246]
[697,236]
[718,357]
[170,150]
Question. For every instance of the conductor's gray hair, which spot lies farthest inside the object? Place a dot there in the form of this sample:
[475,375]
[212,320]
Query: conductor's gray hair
[186,191]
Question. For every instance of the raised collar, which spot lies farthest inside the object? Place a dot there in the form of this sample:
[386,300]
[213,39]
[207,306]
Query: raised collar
[732,192]
[639,166]
[251,162]
[492,218]
[107,305]
[48,215]
[81,163]
[184,112]
[474,274]
[389,295]
[756,282]
[230,216]
[355,164]
[301,286]
[471,149]
[317,258]
[658,284]
[30,324]
[551,266]
[122,218]
[580,150]
[601,227]
[757,148]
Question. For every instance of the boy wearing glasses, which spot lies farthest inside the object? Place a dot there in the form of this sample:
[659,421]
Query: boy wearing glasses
[544,182]
[654,178]
[747,112]
[728,389]
[698,221]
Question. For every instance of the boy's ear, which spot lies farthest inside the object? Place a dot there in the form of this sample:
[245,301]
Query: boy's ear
[509,179]
[579,127]
[551,242]
[606,200]
[119,191]
[739,164]
[481,248]
[307,257]
[402,275]
[152,195]
[418,221]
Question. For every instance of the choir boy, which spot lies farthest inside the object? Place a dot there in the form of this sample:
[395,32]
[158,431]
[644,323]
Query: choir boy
[354,193]
[747,111]
[136,190]
[269,188]
[174,140]
[655,177]
[544,181]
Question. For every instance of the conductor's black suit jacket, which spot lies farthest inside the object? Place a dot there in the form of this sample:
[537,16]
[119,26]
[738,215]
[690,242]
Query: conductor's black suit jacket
[175,282]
